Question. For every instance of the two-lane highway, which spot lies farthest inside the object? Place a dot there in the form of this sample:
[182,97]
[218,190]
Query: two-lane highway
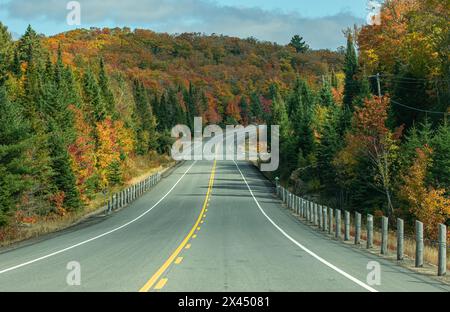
[207,227]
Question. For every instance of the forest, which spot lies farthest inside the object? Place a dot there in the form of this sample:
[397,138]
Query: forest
[362,128]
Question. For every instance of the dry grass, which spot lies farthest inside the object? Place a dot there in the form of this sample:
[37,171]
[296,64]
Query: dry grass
[137,170]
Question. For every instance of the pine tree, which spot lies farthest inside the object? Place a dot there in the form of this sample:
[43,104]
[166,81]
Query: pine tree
[441,160]
[92,98]
[115,174]
[351,67]
[105,89]
[13,134]
[64,178]
[5,52]
[145,120]
[256,110]
[29,46]
[326,97]
[299,44]
[245,113]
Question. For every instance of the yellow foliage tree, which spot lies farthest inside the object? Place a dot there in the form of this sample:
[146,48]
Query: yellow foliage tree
[427,204]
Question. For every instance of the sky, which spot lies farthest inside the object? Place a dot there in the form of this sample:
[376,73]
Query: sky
[320,22]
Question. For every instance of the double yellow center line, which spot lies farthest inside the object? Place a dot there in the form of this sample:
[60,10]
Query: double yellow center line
[151,282]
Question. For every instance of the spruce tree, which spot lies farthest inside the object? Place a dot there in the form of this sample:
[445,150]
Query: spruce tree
[256,110]
[105,89]
[92,98]
[13,143]
[351,67]
[5,52]
[63,178]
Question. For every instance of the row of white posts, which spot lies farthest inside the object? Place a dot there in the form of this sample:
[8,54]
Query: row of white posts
[329,220]
[130,194]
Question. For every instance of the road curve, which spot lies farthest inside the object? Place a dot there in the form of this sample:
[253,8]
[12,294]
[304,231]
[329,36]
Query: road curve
[206,227]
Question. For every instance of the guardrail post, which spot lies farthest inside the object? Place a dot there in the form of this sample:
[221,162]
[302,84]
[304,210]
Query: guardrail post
[304,208]
[109,206]
[346,225]
[419,244]
[400,239]
[357,228]
[442,261]
[325,219]
[310,208]
[338,223]
[116,201]
[316,215]
[320,210]
[307,210]
[369,231]
[330,220]
[384,235]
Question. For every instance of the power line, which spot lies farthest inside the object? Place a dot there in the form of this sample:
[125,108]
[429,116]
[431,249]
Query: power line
[418,109]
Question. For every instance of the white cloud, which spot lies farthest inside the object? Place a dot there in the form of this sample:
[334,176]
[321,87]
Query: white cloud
[193,16]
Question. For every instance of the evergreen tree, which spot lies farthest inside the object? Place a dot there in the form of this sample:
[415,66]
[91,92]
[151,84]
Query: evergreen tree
[299,44]
[105,89]
[256,110]
[13,134]
[145,120]
[245,112]
[5,52]
[29,46]
[352,85]
[115,174]
[64,178]
[326,97]
[92,98]
[441,160]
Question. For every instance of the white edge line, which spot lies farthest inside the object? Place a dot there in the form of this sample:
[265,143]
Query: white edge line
[101,235]
[353,279]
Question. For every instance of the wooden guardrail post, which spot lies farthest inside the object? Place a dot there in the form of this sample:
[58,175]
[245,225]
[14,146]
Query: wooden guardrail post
[325,218]
[369,231]
[320,210]
[357,228]
[338,223]
[384,235]
[316,214]
[419,244]
[346,225]
[400,239]
[442,262]
[330,221]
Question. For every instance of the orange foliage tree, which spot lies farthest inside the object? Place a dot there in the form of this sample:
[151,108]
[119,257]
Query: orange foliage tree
[428,204]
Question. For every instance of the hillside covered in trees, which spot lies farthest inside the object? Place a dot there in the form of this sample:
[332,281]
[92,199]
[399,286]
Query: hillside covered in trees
[81,109]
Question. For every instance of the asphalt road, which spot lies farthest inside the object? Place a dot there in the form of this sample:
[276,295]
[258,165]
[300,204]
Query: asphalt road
[206,227]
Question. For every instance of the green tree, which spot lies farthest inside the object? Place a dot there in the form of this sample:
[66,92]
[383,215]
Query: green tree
[13,143]
[105,89]
[299,44]
[92,98]
[5,52]
[351,68]
[63,178]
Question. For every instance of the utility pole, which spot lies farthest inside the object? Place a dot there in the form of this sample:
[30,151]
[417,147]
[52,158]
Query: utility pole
[379,84]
